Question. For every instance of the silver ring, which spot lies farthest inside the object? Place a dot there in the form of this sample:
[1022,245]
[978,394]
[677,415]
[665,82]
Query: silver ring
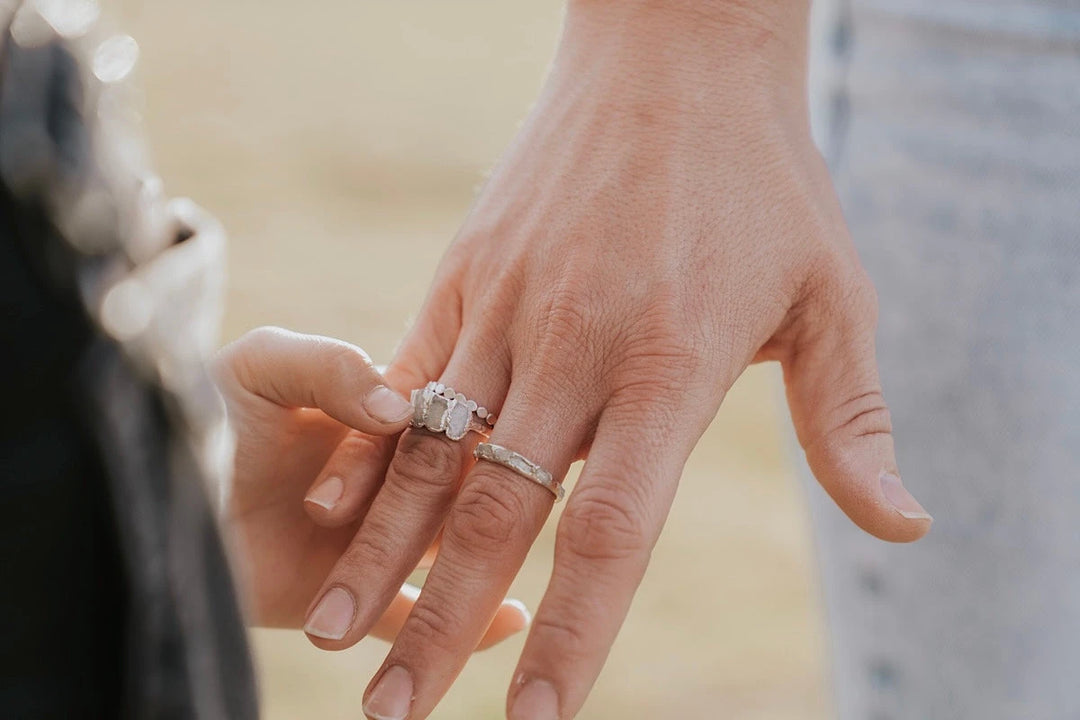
[442,410]
[521,465]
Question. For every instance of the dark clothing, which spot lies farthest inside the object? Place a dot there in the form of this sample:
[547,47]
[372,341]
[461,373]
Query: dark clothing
[115,595]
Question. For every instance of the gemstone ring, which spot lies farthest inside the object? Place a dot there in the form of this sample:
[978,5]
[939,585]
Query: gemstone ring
[440,409]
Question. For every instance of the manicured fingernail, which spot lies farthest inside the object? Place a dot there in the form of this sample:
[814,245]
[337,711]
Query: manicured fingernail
[526,616]
[333,615]
[392,696]
[901,499]
[328,493]
[536,701]
[385,405]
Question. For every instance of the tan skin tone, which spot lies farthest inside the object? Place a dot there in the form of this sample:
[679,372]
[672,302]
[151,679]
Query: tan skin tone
[661,221]
[292,399]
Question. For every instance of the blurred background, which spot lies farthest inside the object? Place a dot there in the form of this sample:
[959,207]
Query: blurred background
[341,143]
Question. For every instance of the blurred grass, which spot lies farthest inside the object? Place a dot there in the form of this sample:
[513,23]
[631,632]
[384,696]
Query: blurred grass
[341,142]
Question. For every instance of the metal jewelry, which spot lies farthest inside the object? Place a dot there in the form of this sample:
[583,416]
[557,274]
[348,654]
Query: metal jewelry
[521,465]
[442,410]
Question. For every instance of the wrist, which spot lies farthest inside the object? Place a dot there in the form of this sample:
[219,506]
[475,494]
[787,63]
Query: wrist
[758,45]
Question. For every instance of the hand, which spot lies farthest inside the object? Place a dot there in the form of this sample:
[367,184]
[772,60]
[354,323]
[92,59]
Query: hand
[293,400]
[662,220]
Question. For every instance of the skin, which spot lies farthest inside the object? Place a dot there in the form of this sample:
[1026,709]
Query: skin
[292,399]
[662,221]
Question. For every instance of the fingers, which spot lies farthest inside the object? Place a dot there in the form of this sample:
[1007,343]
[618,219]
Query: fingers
[494,521]
[605,537]
[511,618]
[406,516]
[842,421]
[347,484]
[308,371]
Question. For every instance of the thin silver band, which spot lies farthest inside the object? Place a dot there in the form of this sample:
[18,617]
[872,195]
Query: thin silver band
[442,410]
[521,465]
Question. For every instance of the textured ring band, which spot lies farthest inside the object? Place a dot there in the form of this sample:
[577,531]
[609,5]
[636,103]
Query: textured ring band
[521,465]
[441,410]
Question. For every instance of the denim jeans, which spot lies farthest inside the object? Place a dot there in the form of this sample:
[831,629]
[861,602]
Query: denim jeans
[953,132]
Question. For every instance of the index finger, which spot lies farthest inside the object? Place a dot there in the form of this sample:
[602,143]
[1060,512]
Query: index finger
[309,371]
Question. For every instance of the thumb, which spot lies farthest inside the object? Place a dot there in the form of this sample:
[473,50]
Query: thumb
[841,419]
[310,371]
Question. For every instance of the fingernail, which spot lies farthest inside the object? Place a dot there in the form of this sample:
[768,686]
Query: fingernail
[536,701]
[901,499]
[392,696]
[522,608]
[385,405]
[333,615]
[328,493]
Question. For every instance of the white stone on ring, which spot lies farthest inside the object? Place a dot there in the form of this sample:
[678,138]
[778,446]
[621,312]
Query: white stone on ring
[444,410]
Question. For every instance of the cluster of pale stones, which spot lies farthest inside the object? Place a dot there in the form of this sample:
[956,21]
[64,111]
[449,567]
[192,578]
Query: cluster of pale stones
[440,409]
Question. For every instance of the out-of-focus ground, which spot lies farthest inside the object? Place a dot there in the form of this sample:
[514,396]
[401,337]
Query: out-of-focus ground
[340,142]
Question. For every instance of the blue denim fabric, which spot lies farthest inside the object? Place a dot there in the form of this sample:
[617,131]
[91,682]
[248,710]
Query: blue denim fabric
[953,132]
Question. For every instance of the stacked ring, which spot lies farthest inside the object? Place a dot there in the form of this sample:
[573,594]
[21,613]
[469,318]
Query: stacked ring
[442,410]
[521,465]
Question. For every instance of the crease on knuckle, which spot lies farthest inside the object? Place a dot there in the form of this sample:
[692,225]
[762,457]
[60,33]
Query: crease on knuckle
[564,631]
[430,624]
[863,415]
[603,524]
[370,550]
[489,515]
[565,321]
[425,463]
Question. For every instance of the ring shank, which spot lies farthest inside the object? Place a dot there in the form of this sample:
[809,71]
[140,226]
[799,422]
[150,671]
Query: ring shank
[520,465]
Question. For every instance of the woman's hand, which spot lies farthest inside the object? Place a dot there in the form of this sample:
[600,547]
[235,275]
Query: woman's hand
[294,400]
[662,220]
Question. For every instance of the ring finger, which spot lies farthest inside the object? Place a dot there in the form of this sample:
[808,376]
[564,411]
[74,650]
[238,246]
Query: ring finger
[406,515]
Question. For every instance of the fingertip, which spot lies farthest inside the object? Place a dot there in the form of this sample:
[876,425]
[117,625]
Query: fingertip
[891,514]
[511,618]
[521,609]
[387,408]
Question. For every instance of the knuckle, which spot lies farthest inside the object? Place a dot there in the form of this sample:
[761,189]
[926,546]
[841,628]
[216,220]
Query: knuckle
[431,625]
[369,551]
[562,631]
[345,362]
[425,463]
[864,414]
[489,514]
[601,524]
[567,320]
[244,356]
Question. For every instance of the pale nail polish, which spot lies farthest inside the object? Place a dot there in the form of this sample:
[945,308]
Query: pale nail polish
[537,700]
[901,499]
[333,615]
[392,697]
[327,494]
[522,608]
[387,406]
